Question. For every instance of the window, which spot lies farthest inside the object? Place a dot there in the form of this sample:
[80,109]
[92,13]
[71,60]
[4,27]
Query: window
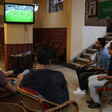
[55,5]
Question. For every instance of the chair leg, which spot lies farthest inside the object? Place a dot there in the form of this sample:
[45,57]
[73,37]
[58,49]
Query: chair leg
[101,108]
[101,102]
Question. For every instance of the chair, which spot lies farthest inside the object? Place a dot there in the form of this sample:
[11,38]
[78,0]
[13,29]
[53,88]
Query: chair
[37,104]
[6,96]
[105,93]
[68,106]
[4,93]
[11,107]
[61,53]
[33,102]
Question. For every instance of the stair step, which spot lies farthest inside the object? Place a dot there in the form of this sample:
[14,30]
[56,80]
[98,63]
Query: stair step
[76,64]
[107,41]
[109,38]
[83,60]
[94,47]
[91,51]
[85,55]
[72,65]
[109,34]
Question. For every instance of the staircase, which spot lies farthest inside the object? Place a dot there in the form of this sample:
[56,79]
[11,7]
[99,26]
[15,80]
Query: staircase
[87,55]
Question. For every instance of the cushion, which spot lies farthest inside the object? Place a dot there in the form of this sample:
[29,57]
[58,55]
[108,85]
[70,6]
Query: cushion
[100,89]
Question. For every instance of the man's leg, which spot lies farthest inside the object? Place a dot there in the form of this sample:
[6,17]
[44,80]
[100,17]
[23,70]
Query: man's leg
[79,71]
[93,83]
[84,79]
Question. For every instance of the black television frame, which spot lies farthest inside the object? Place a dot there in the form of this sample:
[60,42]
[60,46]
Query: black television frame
[19,22]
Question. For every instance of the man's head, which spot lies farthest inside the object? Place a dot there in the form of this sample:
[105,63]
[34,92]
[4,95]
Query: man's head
[44,55]
[100,43]
[110,49]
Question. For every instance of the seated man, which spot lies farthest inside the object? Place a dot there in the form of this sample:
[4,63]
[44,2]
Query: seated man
[101,63]
[98,81]
[50,84]
[4,83]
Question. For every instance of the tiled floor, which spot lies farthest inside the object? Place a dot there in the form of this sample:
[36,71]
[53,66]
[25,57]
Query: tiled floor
[71,78]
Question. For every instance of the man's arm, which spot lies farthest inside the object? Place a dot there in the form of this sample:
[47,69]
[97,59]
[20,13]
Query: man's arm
[108,77]
[90,63]
[98,68]
[105,62]
[13,88]
[7,73]
[101,77]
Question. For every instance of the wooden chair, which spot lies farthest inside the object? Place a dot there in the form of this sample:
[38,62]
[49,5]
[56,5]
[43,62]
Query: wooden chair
[61,53]
[68,106]
[105,93]
[6,96]
[33,102]
[37,104]
[4,93]
[11,107]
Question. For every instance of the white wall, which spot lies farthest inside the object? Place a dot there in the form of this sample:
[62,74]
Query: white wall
[77,23]
[90,35]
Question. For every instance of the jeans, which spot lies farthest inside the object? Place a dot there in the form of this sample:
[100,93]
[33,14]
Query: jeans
[83,75]
[93,83]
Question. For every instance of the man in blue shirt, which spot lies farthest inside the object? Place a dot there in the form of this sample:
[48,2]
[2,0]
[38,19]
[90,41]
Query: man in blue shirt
[100,63]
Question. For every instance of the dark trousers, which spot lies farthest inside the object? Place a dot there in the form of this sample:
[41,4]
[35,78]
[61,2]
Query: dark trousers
[83,76]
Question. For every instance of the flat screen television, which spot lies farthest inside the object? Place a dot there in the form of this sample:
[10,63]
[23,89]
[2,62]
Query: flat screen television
[18,13]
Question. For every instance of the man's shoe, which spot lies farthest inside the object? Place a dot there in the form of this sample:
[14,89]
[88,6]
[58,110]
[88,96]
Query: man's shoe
[79,91]
[94,105]
[90,101]
[78,88]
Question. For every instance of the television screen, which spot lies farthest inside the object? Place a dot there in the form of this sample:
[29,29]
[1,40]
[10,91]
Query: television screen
[18,13]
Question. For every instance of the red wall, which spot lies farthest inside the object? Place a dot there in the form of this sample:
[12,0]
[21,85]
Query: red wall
[57,34]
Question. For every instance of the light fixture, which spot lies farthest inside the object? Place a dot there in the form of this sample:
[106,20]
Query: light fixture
[36,7]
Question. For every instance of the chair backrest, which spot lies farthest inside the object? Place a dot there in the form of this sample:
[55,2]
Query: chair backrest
[11,107]
[68,106]
[33,102]
[4,93]
[105,93]
[62,46]
[57,45]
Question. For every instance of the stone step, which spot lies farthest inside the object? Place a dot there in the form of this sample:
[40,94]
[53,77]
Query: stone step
[83,60]
[91,51]
[109,34]
[75,64]
[86,54]
[94,47]
[71,65]
[107,41]
[108,38]
[78,62]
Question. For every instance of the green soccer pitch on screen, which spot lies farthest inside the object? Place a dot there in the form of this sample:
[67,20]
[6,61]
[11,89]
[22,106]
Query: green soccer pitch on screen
[18,13]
